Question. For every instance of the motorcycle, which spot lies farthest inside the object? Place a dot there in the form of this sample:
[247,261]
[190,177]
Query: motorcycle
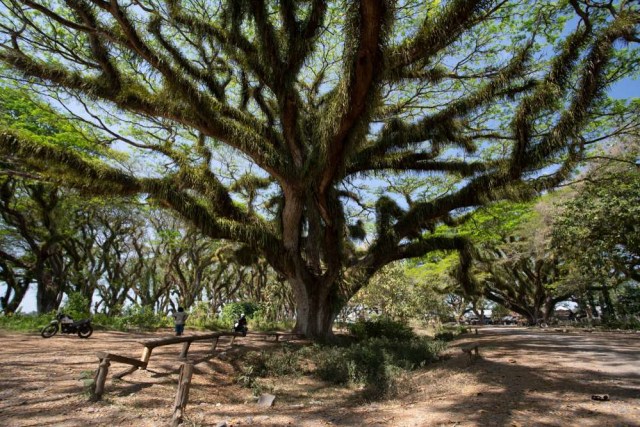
[240,327]
[66,325]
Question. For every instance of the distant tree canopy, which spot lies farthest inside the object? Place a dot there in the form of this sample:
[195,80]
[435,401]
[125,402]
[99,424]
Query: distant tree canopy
[316,100]
[599,231]
[600,227]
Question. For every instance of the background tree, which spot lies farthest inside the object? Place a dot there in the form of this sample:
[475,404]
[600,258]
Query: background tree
[32,246]
[598,228]
[314,97]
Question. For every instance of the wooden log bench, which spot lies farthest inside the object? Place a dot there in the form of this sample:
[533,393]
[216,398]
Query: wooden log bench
[472,350]
[106,358]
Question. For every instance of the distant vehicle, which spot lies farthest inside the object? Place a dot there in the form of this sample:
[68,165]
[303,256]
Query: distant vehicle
[475,320]
[509,320]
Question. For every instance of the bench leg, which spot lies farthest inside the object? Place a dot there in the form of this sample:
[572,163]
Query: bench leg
[146,355]
[182,395]
[185,350]
[101,378]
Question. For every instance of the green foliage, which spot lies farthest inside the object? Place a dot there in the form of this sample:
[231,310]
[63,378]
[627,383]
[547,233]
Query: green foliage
[24,114]
[376,363]
[628,300]
[624,322]
[382,327]
[284,361]
[77,306]
[493,223]
[449,333]
[260,320]
[379,364]
[25,322]
[232,311]
[200,317]
[599,228]
[498,312]
[133,317]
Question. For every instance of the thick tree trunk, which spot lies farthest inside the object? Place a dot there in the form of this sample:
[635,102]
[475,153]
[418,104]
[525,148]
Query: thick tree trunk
[14,293]
[49,294]
[608,310]
[316,310]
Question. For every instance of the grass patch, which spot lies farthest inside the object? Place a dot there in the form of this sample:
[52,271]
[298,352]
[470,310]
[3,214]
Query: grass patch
[25,322]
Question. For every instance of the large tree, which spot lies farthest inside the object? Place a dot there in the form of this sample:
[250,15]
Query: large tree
[315,97]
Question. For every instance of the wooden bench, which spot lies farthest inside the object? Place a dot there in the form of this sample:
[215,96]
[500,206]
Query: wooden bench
[105,358]
[472,350]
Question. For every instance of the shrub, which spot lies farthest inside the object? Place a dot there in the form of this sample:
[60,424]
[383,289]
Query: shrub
[445,336]
[138,317]
[285,361]
[626,322]
[201,317]
[232,311]
[77,306]
[331,364]
[448,333]
[376,363]
[381,327]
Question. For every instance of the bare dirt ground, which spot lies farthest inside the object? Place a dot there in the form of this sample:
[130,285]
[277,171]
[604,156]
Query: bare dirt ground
[525,377]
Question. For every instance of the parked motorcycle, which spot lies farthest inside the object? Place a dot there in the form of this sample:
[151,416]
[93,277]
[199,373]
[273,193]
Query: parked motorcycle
[66,325]
[241,326]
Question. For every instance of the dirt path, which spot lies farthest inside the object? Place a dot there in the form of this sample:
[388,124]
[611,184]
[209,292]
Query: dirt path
[524,378]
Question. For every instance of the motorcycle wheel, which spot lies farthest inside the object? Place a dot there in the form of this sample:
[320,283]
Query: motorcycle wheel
[85,331]
[49,331]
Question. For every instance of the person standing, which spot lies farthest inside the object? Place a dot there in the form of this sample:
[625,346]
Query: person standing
[180,318]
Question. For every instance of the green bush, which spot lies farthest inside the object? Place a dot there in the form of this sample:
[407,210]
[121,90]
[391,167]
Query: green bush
[381,327]
[133,317]
[25,322]
[77,306]
[626,323]
[448,333]
[445,336]
[375,363]
[378,365]
[232,311]
[331,364]
[201,317]
[285,361]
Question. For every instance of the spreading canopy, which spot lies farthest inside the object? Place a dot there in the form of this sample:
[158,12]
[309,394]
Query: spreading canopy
[483,99]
